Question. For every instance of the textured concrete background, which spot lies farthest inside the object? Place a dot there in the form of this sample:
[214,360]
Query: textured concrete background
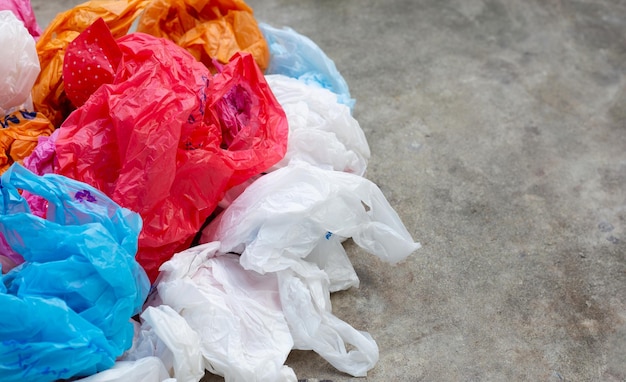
[498,132]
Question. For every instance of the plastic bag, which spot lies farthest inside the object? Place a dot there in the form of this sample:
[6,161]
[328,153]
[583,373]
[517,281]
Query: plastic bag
[208,29]
[285,215]
[19,67]
[66,310]
[237,313]
[166,335]
[166,139]
[19,133]
[297,56]
[23,10]
[41,161]
[321,131]
[49,91]
[291,222]
[6,263]
[148,369]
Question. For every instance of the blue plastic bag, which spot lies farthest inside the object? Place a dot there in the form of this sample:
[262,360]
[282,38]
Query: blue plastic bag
[297,56]
[66,310]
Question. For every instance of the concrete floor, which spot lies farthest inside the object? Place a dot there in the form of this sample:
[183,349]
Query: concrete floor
[498,133]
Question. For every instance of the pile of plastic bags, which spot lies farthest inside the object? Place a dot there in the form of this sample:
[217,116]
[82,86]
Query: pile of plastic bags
[175,199]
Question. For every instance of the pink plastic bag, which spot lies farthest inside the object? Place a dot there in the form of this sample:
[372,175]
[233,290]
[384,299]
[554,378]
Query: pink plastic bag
[24,12]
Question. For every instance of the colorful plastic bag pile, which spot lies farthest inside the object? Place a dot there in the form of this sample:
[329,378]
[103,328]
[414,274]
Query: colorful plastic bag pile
[205,155]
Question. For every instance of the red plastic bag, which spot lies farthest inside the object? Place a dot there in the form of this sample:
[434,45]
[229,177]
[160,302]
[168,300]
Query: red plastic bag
[165,138]
[49,92]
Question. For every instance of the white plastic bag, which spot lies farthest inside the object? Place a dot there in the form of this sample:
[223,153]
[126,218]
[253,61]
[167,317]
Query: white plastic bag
[19,66]
[181,340]
[148,369]
[306,306]
[322,132]
[291,222]
[166,336]
[237,314]
[288,214]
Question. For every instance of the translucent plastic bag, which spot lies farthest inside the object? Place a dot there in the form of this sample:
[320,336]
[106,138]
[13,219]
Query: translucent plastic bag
[208,29]
[164,334]
[297,56]
[285,215]
[41,161]
[19,66]
[148,369]
[19,133]
[321,131]
[292,222]
[23,10]
[49,92]
[165,138]
[237,314]
[66,310]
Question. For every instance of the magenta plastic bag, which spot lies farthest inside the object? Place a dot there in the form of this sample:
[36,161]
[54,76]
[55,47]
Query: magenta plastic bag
[66,310]
[23,10]
[41,161]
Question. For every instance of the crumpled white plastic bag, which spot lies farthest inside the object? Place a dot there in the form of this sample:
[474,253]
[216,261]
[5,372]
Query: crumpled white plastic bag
[182,342]
[236,313]
[166,344]
[19,66]
[306,305]
[304,212]
[292,222]
[148,369]
[322,132]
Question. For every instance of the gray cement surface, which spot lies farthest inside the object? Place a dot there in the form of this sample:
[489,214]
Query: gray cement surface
[498,133]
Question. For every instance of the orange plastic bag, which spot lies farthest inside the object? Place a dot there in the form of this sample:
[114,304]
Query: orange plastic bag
[164,137]
[49,92]
[208,29]
[19,132]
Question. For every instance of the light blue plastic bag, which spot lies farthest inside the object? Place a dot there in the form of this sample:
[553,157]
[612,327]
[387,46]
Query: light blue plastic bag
[297,56]
[66,310]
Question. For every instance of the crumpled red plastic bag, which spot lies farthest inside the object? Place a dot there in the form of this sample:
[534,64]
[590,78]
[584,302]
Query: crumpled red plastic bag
[165,138]
[49,92]
[208,29]
[19,132]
